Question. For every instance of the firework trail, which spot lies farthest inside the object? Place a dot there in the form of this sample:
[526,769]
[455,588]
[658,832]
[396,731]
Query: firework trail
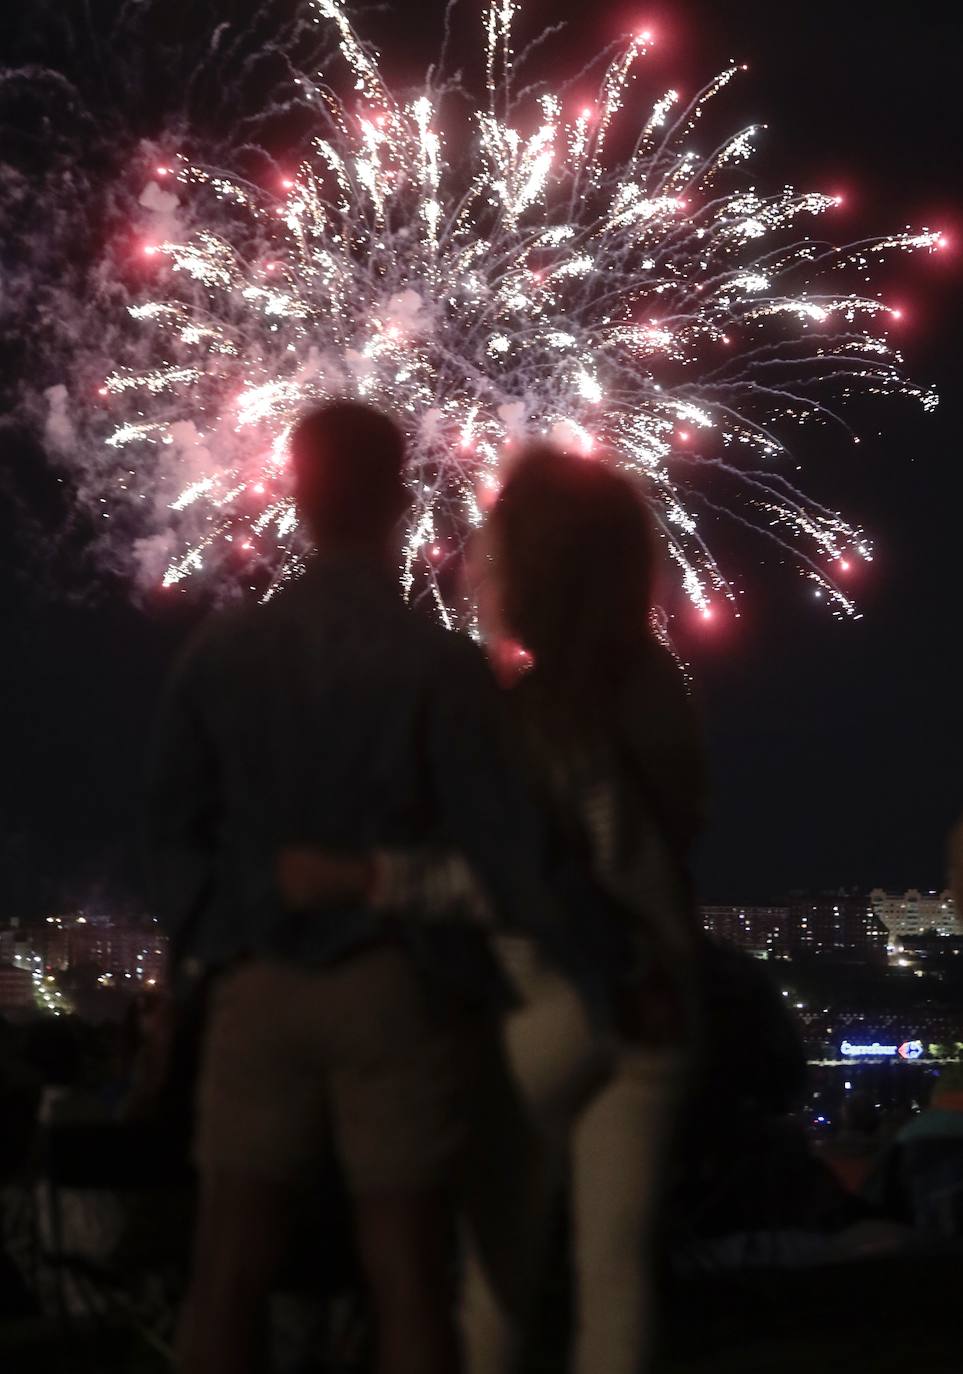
[606,281]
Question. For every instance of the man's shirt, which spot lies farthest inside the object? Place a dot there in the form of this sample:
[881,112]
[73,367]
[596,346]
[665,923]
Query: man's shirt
[337,717]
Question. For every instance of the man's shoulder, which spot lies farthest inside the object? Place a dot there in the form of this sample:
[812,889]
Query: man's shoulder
[450,649]
[222,635]
[444,661]
[416,641]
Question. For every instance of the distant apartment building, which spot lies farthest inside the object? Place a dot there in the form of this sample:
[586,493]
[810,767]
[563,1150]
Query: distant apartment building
[759,930]
[16,988]
[836,923]
[124,952]
[12,945]
[914,913]
[19,947]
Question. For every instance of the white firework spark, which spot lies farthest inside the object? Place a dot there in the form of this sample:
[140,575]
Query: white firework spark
[536,283]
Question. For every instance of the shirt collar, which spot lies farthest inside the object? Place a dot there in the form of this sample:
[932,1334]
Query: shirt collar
[358,569]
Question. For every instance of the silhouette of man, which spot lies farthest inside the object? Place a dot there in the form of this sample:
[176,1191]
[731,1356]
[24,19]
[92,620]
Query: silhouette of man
[332,716]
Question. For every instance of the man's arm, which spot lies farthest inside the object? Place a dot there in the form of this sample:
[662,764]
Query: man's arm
[487,813]
[182,798]
[434,885]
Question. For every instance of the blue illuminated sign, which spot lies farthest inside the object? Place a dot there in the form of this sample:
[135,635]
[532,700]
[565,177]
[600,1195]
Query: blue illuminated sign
[909,1049]
[873,1051]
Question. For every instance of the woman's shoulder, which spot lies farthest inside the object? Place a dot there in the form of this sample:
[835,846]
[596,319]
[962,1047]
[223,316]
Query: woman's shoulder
[660,729]
[655,693]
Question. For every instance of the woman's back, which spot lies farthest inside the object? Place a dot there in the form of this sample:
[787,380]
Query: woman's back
[629,783]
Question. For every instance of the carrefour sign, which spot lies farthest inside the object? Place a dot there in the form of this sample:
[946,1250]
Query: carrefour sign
[910,1049]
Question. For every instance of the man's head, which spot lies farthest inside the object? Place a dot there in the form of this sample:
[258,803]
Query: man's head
[347,460]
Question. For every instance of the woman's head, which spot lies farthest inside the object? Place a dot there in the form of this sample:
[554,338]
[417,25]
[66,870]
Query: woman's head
[572,548]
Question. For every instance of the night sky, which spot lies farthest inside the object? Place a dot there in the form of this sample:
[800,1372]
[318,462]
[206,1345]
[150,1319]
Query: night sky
[836,746]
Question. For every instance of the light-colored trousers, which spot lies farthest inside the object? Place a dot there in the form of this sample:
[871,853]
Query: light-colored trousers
[606,1112]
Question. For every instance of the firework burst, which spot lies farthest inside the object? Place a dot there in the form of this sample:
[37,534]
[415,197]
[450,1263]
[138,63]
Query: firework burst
[567,271]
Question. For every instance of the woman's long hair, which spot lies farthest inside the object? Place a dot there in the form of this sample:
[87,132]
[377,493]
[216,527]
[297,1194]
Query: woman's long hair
[574,548]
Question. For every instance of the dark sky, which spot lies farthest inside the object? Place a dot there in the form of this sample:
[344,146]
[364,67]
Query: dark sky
[836,747]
